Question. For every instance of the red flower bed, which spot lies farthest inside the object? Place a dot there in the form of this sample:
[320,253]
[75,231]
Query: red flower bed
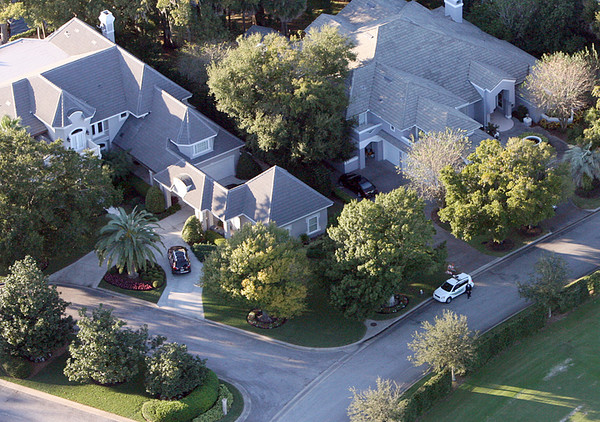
[124,282]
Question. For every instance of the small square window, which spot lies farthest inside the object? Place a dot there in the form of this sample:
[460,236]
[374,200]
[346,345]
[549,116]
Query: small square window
[312,224]
[201,147]
[123,116]
[100,127]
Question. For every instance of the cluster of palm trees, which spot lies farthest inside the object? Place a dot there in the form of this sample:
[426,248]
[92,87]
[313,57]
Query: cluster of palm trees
[585,165]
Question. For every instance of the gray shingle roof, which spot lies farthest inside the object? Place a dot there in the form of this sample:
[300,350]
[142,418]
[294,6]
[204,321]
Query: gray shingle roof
[410,53]
[76,37]
[274,195]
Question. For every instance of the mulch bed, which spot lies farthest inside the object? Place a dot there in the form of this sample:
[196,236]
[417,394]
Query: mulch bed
[124,282]
[255,314]
[401,303]
[527,231]
[505,245]
[37,367]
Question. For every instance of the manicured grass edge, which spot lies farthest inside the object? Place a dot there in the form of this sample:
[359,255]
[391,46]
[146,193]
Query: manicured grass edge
[152,296]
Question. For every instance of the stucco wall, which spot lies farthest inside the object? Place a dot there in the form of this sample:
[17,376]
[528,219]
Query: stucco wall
[300,226]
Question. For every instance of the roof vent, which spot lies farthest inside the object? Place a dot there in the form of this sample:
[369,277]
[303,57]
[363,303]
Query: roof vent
[387,78]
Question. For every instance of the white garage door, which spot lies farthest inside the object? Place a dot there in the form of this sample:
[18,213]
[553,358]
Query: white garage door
[391,153]
[221,169]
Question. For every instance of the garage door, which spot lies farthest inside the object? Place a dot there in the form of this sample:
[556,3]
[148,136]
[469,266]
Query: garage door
[391,153]
[221,169]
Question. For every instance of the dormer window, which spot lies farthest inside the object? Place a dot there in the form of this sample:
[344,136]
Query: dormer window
[201,147]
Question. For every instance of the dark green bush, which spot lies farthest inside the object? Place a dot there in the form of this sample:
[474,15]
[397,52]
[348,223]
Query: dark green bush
[192,232]
[317,176]
[215,413]
[157,283]
[247,168]
[155,200]
[187,408]
[316,251]
[202,250]
[15,367]
[343,196]
[520,112]
[212,236]
[31,33]
[304,238]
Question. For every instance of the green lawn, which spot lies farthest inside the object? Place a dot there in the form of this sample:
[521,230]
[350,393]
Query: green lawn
[149,295]
[238,404]
[586,203]
[319,326]
[124,400]
[547,377]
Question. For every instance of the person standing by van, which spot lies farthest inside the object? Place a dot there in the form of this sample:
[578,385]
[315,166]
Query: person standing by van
[469,288]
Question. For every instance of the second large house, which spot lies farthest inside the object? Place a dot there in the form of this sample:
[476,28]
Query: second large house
[424,70]
[77,85]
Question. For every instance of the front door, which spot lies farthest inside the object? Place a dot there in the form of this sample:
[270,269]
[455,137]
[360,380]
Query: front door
[78,139]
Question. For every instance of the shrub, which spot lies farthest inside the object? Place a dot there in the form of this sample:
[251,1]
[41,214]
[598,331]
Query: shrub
[317,176]
[539,135]
[155,200]
[157,283]
[27,34]
[316,251]
[212,236]
[520,112]
[247,168]
[15,367]
[187,408]
[172,371]
[192,232]
[220,241]
[342,195]
[215,413]
[202,250]
[127,283]
[304,238]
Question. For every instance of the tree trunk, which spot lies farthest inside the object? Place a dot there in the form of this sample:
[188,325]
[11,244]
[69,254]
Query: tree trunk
[549,312]
[4,36]
[244,19]
[453,375]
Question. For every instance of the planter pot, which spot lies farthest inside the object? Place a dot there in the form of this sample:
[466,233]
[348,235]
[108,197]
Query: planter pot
[527,121]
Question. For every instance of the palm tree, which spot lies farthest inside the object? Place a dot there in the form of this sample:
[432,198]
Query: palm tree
[129,240]
[286,11]
[585,164]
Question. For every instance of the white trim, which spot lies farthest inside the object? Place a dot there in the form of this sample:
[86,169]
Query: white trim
[308,219]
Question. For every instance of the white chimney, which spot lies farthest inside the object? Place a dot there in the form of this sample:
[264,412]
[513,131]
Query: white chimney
[107,26]
[453,8]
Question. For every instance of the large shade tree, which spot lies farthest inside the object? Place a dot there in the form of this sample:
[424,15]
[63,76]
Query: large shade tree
[447,343]
[262,265]
[502,188]
[50,196]
[285,10]
[288,95]
[33,322]
[380,404]
[129,241]
[379,245]
[560,84]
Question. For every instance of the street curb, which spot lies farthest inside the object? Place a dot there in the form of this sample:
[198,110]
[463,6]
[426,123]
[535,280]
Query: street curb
[64,402]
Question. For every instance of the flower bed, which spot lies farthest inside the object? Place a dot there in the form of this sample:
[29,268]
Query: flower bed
[253,319]
[124,282]
[400,302]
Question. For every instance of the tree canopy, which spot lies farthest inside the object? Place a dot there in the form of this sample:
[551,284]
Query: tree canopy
[560,84]
[378,246]
[431,153]
[49,195]
[447,343]
[379,404]
[546,285]
[33,323]
[502,188]
[263,265]
[103,351]
[288,94]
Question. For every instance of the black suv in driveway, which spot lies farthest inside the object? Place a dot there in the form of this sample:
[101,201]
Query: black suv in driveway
[358,184]
[179,260]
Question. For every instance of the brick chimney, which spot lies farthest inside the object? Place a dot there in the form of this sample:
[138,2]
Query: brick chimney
[107,26]
[454,9]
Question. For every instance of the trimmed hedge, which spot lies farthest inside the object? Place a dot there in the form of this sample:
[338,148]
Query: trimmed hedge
[202,250]
[343,196]
[247,168]
[212,236]
[524,324]
[577,292]
[187,408]
[155,200]
[436,388]
[215,413]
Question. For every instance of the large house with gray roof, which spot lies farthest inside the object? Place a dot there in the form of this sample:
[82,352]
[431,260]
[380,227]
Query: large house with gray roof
[79,87]
[423,70]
